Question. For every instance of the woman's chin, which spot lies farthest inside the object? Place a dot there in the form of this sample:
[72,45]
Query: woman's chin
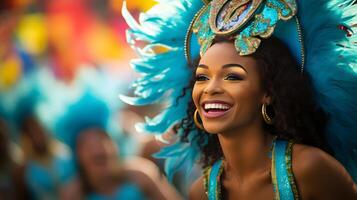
[214,128]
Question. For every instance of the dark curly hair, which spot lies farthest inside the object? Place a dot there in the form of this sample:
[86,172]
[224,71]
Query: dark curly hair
[297,115]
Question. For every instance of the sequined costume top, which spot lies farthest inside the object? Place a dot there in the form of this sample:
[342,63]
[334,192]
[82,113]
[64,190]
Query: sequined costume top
[282,176]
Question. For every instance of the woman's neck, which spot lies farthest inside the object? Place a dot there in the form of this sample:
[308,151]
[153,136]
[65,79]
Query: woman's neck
[246,151]
[106,187]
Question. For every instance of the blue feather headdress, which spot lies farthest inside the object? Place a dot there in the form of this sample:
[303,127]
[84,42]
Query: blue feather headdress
[21,101]
[91,101]
[316,33]
[88,112]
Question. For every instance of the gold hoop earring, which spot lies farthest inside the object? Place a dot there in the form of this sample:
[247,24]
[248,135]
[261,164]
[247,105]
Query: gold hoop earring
[196,120]
[266,117]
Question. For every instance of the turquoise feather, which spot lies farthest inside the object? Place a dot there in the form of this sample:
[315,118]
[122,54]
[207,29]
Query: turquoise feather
[164,78]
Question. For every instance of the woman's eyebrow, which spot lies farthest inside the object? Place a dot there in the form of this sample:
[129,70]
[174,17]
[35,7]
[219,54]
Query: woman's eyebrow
[224,66]
[202,66]
[233,65]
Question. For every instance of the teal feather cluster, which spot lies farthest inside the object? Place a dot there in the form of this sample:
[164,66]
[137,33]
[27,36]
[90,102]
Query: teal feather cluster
[331,64]
[164,74]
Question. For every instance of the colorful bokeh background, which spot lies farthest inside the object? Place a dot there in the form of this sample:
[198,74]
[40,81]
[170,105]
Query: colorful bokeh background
[65,35]
[57,53]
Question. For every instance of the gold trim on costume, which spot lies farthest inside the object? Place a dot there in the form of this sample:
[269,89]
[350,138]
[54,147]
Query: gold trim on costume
[288,160]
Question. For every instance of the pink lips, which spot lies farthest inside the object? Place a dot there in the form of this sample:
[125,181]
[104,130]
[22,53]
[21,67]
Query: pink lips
[216,113]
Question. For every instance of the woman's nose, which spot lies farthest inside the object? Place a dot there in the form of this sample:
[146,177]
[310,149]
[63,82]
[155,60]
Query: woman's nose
[213,87]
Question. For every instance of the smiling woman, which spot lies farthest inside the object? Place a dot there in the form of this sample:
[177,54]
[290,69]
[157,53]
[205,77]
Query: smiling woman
[230,92]
[269,106]
[231,95]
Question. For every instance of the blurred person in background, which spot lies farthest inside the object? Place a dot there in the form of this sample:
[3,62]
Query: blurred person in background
[50,173]
[44,170]
[103,173]
[105,176]
[49,170]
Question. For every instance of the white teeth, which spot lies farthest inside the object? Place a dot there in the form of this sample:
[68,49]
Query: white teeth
[216,106]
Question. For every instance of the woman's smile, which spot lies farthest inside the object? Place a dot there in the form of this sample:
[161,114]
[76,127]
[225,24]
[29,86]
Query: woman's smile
[215,108]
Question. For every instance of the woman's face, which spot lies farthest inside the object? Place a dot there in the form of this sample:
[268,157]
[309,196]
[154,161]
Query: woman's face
[97,154]
[227,91]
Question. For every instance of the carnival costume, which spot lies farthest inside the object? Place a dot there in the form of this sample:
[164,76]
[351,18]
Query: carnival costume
[43,180]
[318,33]
[90,111]
[93,104]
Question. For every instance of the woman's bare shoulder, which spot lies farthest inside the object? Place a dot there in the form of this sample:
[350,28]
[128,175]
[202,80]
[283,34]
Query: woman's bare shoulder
[197,190]
[319,175]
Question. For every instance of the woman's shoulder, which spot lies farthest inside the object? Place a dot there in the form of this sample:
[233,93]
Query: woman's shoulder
[197,190]
[318,174]
[140,171]
[149,178]
[308,160]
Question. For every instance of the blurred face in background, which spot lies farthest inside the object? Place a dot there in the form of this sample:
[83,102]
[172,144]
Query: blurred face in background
[97,156]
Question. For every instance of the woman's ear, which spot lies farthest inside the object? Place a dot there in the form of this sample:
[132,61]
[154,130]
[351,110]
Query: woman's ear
[266,99]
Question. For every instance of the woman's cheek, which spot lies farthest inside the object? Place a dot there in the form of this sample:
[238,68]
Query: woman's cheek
[195,95]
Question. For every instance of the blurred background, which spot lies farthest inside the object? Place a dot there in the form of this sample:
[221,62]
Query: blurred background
[64,133]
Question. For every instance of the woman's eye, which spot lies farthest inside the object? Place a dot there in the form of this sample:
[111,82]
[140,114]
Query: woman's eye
[233,77]
[200,77]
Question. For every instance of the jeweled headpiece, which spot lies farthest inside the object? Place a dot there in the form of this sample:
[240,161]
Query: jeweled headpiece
[247,22]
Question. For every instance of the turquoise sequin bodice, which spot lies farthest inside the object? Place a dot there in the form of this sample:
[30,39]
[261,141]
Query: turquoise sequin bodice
[281,173]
